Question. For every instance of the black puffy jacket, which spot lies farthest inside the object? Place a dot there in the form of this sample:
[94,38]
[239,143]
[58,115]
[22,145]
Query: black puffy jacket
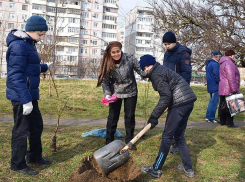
[174,91]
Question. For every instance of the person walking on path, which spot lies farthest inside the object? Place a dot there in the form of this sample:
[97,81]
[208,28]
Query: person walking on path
[212,75]
[177,95]
[229,84]
[178,59]
[23,77]
[117,77]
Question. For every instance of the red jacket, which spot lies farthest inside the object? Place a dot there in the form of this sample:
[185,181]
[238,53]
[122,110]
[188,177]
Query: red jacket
[229,77]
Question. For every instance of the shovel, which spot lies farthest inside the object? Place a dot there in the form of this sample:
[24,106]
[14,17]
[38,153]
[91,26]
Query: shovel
[115,154]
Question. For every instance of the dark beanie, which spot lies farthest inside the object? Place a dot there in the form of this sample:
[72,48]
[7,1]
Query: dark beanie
[147,60]
[36,23]
[229,53]
[169,37]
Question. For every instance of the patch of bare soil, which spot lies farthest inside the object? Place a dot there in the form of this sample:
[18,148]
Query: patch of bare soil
[90,171]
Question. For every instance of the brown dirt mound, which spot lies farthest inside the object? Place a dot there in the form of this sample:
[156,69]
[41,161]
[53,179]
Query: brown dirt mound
[89,171]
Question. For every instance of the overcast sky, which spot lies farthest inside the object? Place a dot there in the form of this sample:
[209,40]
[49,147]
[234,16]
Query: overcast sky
[125,6]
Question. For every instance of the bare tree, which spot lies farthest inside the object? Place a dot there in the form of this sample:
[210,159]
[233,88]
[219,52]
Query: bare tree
[203,25]
[3,35]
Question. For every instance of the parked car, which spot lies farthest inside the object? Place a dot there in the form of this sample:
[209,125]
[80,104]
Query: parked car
[197,83]
[76,77]
[62,77]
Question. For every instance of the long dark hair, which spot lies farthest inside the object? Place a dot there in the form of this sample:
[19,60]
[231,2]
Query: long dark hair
[107,63]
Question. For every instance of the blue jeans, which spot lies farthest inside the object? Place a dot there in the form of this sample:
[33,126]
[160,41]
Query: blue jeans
[212,106]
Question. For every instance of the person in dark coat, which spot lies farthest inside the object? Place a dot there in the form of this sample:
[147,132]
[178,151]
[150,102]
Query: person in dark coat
[117,77]
[23,77]
[176,95]
[178,59]
[212,75]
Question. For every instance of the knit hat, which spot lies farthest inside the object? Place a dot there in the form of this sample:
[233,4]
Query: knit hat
[146,60]
[215,53]
[36,23]
[169,37]
[229,53]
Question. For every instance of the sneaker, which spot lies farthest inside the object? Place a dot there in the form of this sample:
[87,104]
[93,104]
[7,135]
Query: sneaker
[188,172]
[133,148]
[206,119]
[213,121]
[43,162]
[26,170]
[151,171]
[174,150]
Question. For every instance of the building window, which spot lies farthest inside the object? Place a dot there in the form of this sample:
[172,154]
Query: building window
[94,51]
[84,41]
[95,24]
[147,42]
[11,5]
[95,34]
[72,58]
[74,20]
[96,6]
[1,3]
[25,7]
[85,15]
[71,49]
[84,23]
[84,51]
[94,42]
[73,29]
[11,15]
[60,49]
[138,41]
[95,15]
[10,25]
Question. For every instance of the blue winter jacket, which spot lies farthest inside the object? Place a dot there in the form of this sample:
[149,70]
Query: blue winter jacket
[212,74]
[23,67]
[179,60]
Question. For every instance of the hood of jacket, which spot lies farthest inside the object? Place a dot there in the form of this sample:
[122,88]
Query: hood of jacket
[209,61]
[225,58]
[180,48]
[19,35]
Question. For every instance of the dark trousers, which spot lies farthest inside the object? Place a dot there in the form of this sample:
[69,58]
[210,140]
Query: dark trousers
[175,126]
[129,118]
[225,116]
[26,126]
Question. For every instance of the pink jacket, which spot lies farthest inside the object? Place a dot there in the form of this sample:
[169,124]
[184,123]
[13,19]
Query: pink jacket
[229,77]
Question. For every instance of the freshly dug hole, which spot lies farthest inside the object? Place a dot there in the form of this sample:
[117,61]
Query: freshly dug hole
[90,171]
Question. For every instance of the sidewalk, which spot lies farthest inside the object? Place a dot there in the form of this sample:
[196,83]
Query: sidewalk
[139,124]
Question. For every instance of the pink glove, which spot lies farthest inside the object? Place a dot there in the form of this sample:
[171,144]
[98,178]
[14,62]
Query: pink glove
[106,100]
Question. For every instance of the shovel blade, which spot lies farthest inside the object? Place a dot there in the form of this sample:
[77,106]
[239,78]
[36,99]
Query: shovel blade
[109,157]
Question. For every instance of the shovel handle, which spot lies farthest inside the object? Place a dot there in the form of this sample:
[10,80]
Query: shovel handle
[136,138]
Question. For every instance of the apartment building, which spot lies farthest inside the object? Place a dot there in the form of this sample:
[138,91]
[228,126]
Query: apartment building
[140,38]
[78,29]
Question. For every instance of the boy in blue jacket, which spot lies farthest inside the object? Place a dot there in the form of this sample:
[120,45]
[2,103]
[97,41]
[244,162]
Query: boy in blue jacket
[23,78]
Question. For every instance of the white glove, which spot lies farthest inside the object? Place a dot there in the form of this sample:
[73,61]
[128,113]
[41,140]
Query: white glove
[27,108]
[49,64]
[108,97]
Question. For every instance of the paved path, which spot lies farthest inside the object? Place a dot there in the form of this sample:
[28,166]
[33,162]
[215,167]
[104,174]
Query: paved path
[48,121]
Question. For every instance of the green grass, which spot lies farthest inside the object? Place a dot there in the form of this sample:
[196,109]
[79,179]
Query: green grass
[217,154]
[84,101]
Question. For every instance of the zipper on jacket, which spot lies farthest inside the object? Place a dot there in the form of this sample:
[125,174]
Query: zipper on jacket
[28,83]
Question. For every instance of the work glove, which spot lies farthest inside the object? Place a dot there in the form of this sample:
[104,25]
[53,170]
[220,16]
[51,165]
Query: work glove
[153,122]
[49,64]
[27,108]
[108,97]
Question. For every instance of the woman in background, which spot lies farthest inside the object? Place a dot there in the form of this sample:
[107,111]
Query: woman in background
[229,84]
